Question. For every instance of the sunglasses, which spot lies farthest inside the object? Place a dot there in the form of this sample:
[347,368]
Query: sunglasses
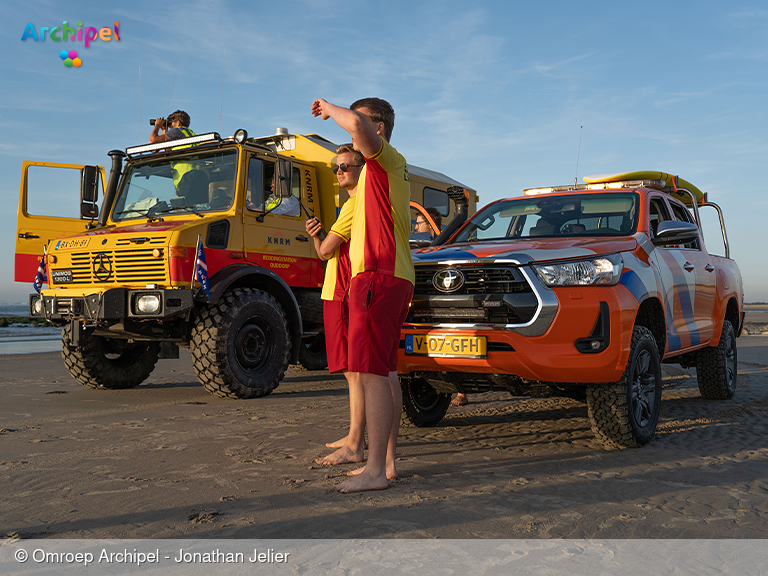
[344,167]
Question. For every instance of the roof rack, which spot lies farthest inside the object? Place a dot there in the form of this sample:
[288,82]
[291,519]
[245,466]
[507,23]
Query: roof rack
[173,144]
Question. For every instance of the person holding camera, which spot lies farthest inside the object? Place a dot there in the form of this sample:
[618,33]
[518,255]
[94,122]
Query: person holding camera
[179,128]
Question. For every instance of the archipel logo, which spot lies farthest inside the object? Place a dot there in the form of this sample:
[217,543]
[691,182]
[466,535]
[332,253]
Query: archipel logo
[68,33]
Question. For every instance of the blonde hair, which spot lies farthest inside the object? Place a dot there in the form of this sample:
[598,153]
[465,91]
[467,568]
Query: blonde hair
[357,156]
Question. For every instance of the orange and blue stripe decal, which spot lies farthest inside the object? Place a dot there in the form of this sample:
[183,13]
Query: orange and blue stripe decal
[632,282]
[678,304]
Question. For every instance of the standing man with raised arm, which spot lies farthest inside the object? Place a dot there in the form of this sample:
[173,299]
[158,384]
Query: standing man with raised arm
[382,281]
[335,296]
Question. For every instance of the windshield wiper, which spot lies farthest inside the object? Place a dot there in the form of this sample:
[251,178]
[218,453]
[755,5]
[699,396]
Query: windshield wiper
[142,213]
[186,208]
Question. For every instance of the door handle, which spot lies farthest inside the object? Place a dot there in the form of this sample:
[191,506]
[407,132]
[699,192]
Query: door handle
[302,238]
[28,236]
[709,268]
[688,266]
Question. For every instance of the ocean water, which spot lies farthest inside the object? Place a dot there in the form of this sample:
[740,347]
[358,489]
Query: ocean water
[23,339]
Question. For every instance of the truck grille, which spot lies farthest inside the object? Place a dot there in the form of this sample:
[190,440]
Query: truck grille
[488,295]
[122,266]
[477,280]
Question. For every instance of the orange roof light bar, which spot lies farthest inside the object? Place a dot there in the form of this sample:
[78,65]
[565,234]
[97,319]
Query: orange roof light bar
[656,184]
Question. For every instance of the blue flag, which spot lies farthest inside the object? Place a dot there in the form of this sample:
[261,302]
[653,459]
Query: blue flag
[41,276]
[201,268]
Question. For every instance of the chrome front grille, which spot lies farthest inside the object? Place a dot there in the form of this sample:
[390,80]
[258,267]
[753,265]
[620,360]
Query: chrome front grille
[477,280]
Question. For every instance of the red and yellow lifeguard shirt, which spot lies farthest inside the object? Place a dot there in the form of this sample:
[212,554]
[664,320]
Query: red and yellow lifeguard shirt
[382,220]
[337,270]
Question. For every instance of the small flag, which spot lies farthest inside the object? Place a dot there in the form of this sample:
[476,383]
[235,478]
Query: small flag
[201,268]
[41,276]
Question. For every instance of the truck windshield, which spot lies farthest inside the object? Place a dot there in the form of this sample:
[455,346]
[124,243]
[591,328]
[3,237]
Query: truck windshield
[577,215]
[193,183]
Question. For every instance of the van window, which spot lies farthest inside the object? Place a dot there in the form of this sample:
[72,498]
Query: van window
[437,199]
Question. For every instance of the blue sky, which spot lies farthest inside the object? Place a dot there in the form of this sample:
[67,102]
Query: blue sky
[493,94]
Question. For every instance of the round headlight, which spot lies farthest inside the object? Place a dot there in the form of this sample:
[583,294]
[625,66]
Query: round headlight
[37,307]
[148,304]
[240,136]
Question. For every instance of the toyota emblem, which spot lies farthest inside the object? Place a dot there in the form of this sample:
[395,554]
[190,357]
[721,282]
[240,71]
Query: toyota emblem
[448,280]
[102,267]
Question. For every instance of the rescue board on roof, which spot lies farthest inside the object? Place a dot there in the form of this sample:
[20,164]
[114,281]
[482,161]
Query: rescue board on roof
[650,175]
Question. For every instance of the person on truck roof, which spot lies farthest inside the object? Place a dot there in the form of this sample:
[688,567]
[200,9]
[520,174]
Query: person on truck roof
[335,296]
[179,128]
[382,279]
[179,122]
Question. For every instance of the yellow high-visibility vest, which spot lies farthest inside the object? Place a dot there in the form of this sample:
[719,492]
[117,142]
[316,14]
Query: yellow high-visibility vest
[181,168]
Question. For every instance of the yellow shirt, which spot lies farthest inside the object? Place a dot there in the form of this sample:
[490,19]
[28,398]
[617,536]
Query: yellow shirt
[337,273]
[382,220]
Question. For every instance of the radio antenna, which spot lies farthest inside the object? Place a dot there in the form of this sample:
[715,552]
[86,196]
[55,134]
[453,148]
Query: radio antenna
[140,138]
[223,67]
[171,94]
[578,156]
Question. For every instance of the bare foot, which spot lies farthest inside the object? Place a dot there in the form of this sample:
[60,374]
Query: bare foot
[391,472]
[362,483]
[343,455]
[340,443]
[460,400]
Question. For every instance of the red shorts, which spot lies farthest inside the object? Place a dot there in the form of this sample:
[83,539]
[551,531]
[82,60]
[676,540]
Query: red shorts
[378,305]
[336,319]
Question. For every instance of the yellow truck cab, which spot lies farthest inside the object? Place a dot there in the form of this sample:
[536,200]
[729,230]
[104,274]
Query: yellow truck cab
[122,278]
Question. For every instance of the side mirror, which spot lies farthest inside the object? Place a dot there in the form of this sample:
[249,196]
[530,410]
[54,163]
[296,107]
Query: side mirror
[89,191]
[283,176]
[674,232]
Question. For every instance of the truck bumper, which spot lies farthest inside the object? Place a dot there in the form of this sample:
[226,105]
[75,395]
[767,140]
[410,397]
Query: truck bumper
[111,305]
[587,342]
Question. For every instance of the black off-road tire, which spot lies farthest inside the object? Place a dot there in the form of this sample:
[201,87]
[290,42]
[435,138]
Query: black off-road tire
[625,414]
[108,363]
[240,346]
[312,354]
[423,405]
[716,367]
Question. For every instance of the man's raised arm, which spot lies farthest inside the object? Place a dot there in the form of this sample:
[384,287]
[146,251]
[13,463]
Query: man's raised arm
[364,136]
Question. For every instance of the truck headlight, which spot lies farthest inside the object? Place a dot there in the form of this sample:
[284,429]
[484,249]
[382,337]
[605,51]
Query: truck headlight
[148,304]
[603,271]
[37,306]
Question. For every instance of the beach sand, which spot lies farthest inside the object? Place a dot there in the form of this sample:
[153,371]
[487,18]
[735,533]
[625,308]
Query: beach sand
[168,460]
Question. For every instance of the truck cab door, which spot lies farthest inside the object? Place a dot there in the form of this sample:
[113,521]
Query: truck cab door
[274,234]
[700,266]
[49,208]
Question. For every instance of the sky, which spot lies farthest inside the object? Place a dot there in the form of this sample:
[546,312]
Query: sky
[500,96]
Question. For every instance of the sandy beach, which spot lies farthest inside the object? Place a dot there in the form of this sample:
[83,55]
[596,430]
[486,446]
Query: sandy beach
[168,460]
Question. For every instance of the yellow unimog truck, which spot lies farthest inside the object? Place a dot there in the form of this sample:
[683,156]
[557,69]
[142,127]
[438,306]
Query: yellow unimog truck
[121,277]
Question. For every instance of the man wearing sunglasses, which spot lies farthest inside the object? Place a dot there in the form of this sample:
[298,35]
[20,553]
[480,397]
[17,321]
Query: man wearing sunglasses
[382,278]
[335,296]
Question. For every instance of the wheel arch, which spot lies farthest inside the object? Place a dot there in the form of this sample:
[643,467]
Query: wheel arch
[650,314]
[252,276]
[733,316]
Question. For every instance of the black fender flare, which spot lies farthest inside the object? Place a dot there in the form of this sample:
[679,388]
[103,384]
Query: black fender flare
[254,276]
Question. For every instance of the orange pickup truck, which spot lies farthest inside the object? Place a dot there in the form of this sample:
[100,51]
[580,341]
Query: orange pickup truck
[579,291]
